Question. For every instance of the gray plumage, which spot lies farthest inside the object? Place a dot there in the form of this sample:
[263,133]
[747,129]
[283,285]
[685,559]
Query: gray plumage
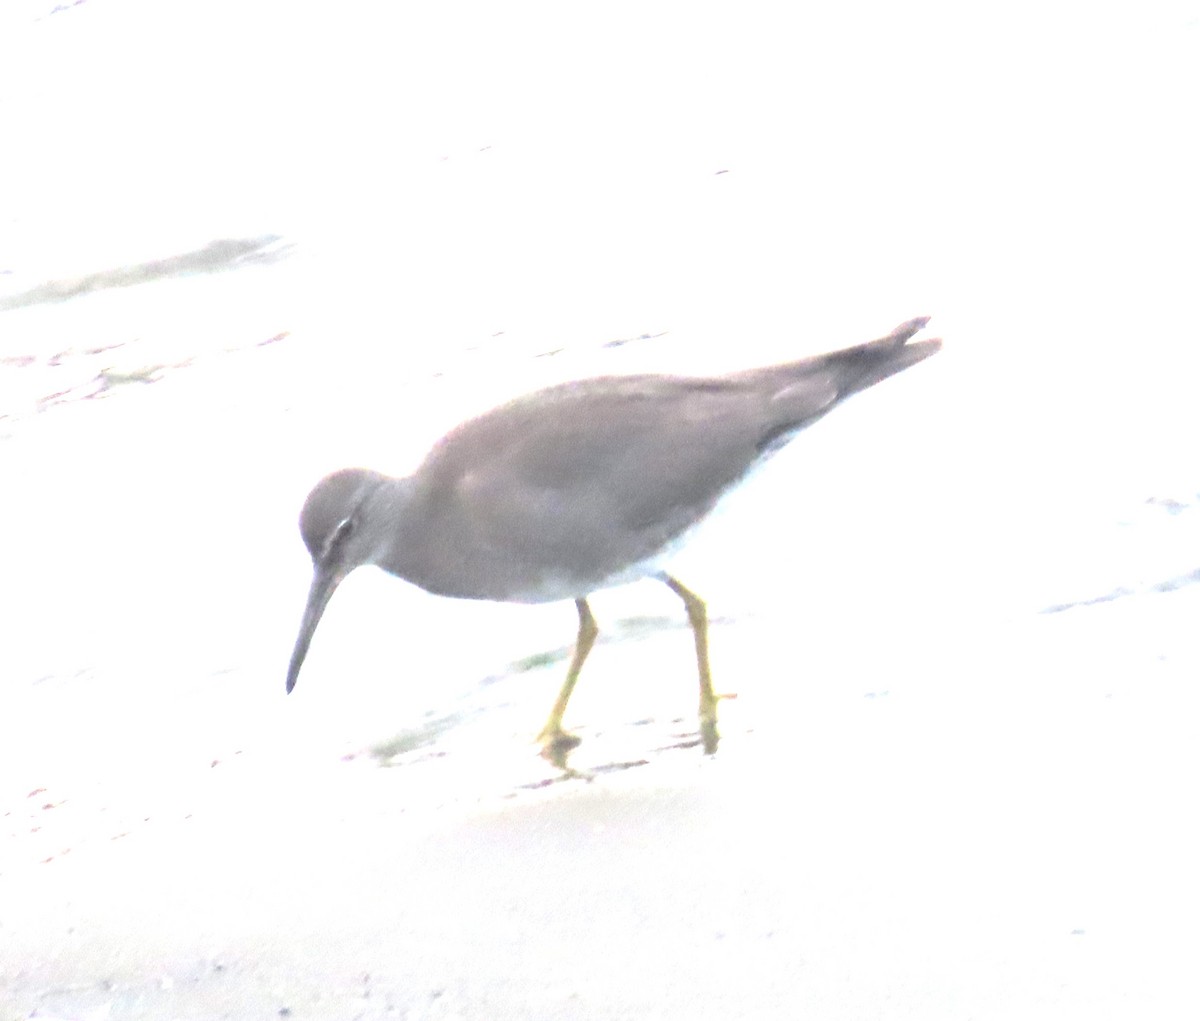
[576,487]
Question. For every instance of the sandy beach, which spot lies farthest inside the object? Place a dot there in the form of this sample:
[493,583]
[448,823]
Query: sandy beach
[845,850]
[959,615]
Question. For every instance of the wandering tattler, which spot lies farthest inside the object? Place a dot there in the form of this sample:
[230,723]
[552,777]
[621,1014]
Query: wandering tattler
[575,488]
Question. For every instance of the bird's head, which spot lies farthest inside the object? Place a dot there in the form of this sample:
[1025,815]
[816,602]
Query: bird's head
[334,528]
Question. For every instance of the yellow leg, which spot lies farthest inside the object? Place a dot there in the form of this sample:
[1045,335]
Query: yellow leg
[698,616]
[556,742]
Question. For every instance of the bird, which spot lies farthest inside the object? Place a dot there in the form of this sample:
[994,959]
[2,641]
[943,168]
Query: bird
[579,487]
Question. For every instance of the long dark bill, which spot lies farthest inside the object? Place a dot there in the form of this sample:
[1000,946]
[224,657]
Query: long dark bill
[324,582]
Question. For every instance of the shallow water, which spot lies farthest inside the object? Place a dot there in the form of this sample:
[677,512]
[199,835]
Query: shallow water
[1001,543]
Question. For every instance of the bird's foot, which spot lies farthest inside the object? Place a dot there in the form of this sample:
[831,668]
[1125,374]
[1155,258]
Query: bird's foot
[557,744]
[708,719]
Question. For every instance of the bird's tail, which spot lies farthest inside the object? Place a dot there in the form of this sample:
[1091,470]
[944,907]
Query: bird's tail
[825,379]
[856,368]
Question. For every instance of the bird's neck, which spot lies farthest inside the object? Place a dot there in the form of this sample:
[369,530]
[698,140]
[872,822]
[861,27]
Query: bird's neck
[392,504]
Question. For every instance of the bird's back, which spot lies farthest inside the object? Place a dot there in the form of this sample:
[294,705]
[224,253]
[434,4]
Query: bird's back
[581,480]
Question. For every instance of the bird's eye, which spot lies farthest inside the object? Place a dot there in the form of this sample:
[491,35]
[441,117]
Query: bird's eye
[338,536]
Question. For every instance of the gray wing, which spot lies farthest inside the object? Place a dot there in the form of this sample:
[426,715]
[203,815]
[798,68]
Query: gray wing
[588,477]
[595,475]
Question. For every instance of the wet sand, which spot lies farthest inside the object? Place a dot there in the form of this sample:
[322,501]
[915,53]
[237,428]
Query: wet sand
[934,799]
[847,853]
